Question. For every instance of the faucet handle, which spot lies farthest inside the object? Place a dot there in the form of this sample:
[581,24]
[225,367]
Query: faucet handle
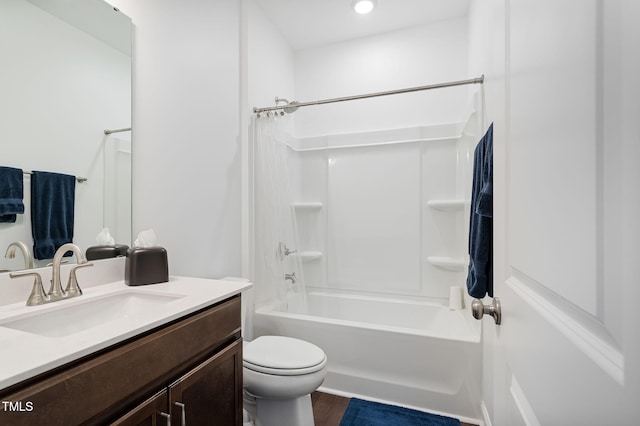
[73,289]
[37,296]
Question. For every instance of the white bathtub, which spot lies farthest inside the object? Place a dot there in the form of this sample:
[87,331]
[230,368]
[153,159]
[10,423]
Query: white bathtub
[411,353]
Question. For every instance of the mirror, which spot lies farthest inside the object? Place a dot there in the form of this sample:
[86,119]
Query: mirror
[66,77]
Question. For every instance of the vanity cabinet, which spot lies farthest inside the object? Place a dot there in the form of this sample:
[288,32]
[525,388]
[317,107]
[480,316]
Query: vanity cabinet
[192,366]
[204,396]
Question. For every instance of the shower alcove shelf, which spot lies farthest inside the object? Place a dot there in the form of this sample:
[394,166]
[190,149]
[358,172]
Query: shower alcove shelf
[447,263]
[310,256]
[308,206]
[444,262]
[447,205]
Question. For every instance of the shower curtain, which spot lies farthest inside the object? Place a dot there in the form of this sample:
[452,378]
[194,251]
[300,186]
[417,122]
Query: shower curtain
[275,227]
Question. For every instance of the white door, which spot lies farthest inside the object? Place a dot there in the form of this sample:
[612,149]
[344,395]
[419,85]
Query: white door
[566,218]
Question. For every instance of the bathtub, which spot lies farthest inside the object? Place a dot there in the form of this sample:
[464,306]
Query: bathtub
[412,353]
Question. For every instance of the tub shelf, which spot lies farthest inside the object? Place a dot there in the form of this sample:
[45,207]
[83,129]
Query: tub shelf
[447,205]
[448,263]
[307,205]
[310,256]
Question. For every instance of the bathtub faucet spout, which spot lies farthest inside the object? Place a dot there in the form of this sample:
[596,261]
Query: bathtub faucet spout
[291,276]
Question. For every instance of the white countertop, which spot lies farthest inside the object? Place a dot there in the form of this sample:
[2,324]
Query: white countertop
[24,354]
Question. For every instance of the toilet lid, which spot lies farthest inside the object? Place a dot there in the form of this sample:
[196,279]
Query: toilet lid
[283,355]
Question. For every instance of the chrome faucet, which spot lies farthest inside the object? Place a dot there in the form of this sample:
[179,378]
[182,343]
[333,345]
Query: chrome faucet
[38,296]
[56,292]
[291,276]
[26,253]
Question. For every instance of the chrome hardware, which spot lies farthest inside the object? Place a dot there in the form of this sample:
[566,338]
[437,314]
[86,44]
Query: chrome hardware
[166,416]
[73,289]
[291,277]
[37,296]
[283,251]
[56,292]
[26,253]
[183,418]
[494,309]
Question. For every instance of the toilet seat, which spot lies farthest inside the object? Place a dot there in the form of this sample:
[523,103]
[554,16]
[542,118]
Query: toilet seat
[283,356]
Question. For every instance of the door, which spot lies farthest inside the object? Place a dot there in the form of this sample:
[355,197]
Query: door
[211,393]
[566,214]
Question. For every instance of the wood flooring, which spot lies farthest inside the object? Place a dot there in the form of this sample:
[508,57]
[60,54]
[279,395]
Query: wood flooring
[328,409]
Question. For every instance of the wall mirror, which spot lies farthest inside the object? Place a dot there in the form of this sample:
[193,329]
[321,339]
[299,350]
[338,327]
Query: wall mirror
[66,77]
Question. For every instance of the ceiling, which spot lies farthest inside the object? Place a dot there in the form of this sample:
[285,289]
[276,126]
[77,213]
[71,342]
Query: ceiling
[311,23]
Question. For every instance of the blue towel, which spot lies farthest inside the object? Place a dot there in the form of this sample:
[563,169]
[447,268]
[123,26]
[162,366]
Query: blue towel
[11,194]
[480,278]
[52,212]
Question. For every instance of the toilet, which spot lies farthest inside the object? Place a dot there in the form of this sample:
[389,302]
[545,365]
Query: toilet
[279,374]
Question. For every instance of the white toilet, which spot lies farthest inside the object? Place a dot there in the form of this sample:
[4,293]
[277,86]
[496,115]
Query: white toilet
[280,373]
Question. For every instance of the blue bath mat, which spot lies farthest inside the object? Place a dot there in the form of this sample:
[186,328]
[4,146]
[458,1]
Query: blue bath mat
[366,413]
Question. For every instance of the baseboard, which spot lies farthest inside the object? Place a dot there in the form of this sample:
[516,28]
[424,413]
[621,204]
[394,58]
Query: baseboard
[485,414]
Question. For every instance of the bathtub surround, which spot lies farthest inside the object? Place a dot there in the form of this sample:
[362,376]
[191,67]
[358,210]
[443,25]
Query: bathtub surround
[385,211]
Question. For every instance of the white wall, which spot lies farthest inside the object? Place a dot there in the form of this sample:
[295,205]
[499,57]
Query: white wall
[417,56]
[186,143]
[60,89]
[270,60]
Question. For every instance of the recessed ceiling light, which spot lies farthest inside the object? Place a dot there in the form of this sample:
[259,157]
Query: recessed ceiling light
[363,6]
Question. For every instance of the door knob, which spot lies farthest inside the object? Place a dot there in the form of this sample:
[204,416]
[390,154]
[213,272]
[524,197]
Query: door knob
[494,309]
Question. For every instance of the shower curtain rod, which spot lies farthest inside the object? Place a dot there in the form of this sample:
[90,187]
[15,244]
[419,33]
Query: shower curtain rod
[293,106]
[108,132]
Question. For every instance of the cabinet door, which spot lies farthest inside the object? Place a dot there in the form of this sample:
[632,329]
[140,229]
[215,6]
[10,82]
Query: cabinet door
[152,412]
[210,394]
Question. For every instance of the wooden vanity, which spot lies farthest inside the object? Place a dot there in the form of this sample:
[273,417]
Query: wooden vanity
[191,367]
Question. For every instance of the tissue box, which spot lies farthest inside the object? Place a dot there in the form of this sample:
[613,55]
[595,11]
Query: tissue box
[146,265]
[106,251]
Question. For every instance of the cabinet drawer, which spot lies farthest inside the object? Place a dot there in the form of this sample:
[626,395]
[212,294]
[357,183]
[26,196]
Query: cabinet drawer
[97,388]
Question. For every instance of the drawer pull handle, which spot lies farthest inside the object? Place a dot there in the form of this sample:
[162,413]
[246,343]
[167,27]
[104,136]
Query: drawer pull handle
[183,419]
[168,417]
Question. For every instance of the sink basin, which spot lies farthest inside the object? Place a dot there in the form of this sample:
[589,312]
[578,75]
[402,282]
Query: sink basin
[65,320]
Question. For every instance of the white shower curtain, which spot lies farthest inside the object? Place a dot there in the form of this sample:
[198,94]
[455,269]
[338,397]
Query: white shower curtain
[275,227]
